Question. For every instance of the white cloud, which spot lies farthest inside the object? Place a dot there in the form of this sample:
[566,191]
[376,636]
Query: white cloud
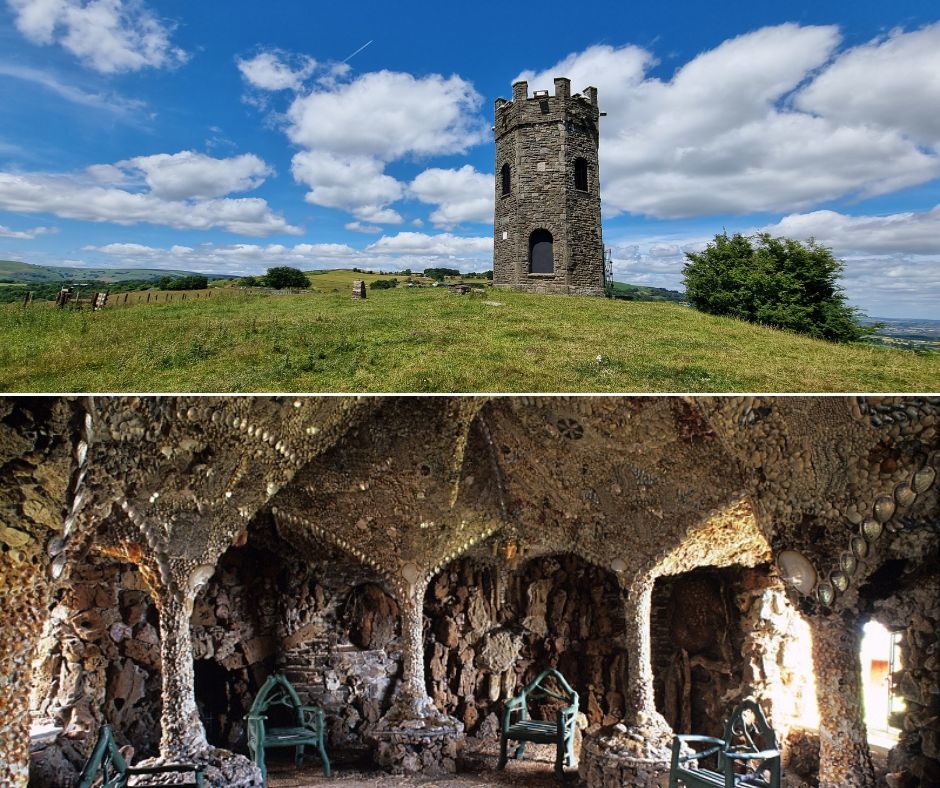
[444,244]
[388,115]
[359,227]
[723,135]
[25,235]
[414,250]
[185,192]
[462,195]
[911,233]
[110,36]
[892,83]
[109,102]
[276,70]
[353,183]
[187,174]
[350,130]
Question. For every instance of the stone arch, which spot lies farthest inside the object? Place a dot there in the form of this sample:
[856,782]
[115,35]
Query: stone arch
[541,252]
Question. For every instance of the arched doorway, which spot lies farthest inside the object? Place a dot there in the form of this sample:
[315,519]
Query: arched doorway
[541,254]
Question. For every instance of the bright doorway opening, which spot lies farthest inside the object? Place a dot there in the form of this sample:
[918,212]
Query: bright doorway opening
[883,706]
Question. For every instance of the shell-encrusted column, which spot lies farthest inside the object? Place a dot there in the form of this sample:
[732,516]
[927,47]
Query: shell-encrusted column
[636,751]
[412,700]
[844,756]
[641,703]
[414,736]
[183,737]
[182,732]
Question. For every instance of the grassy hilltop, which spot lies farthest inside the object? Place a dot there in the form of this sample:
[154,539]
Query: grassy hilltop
[423,339]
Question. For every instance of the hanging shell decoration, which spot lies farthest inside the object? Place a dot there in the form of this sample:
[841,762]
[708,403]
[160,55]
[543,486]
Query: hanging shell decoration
[859,546]
[848,563]
[904,494]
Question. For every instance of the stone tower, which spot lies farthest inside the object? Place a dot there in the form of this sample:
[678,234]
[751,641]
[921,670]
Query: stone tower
[547,229]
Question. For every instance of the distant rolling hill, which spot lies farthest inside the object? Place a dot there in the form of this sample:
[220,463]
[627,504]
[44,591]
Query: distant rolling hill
[630,292]
[15,272]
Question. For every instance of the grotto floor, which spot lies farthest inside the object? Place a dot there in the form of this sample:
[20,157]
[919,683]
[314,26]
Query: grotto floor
[479,768]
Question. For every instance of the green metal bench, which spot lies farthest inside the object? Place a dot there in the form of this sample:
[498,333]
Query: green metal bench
[559,731]
[747,755]
[309,726]
[107,763]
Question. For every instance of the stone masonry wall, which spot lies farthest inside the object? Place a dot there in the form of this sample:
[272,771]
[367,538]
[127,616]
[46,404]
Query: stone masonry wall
[540,137]
[340,645]
[98,662]
[492,631]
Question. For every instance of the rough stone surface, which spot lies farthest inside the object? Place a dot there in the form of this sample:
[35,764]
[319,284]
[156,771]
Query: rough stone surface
[540,138]
[638,488]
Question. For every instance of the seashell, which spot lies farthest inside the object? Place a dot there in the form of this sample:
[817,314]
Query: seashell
[871,529]
[904,494]
[884,508]
[797,570]
[848,563]
[923,479]
[825,594]
[839,580]
[859,546]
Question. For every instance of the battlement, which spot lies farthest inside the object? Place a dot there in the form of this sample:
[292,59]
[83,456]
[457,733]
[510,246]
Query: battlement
[520,93]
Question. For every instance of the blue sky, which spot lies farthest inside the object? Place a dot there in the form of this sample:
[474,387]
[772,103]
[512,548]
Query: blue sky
[233,136]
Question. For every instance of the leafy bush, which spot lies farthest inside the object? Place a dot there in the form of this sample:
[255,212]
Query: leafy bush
[285,276]
[773,281]
[250,281]
[194,282]
[383,284]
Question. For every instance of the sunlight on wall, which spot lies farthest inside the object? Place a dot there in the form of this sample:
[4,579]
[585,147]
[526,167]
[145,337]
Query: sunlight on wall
[800,690]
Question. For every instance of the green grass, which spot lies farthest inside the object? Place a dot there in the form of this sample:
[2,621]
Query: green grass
[414,340]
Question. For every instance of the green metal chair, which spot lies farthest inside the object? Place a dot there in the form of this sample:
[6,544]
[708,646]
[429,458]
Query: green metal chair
[747,755]
[107,763]
[309,727]
[559,732]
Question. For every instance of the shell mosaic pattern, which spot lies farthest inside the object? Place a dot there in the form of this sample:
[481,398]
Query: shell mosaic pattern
[641,486]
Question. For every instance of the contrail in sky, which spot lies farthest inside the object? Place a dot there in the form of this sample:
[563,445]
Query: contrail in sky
[359,50]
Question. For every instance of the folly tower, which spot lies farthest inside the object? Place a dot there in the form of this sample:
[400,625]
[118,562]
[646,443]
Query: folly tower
[547,229]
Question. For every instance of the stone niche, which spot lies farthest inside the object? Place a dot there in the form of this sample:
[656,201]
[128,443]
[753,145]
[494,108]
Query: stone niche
[327,623]
[720,635]
[494,628]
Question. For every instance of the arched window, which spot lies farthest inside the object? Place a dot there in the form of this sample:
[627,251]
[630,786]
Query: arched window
[581,174]
[507,179]
[541,259]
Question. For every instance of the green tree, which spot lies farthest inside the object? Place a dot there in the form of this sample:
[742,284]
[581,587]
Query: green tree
[438,274]
[285,276]
[250,281]
[773,281]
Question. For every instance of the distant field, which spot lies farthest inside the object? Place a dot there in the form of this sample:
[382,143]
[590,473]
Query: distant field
[424,339]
